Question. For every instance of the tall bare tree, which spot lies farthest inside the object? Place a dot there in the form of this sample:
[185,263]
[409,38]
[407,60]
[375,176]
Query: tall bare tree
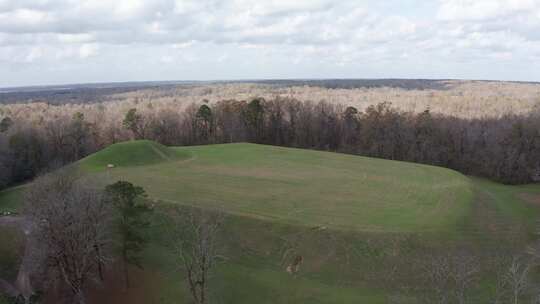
[72,228]
[464,274]
[517,277]
[197,249]
[449,276]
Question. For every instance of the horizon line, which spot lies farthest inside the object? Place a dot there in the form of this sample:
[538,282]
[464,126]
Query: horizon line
[113,84]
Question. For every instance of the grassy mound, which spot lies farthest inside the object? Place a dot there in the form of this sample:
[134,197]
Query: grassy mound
[131,153]
[349,217]
[312,188]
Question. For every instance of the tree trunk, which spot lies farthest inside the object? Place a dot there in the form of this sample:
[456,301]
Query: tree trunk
[79,297]
[100,264]
[126,270]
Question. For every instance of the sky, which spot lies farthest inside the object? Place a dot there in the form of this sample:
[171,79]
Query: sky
[79,41]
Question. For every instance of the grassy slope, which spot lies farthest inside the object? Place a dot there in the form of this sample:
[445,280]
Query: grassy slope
[11,242]
[298,186]
[498,210]
[10,239]
[368,196]
[134,153]
[291,186]
[254,271]
[10,199]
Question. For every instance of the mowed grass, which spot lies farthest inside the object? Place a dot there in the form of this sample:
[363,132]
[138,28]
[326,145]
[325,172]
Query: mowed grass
[275,196]
[134,153]
[10,199]
[510,212]
[294,186]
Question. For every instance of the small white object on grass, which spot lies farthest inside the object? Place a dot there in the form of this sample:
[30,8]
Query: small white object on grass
[110,166]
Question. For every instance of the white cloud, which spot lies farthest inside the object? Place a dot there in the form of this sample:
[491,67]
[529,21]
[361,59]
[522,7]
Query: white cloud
[478,10]
[25,20]
[321,38]
[75,38]
[88,50]
[34,54]
[166,59]
[280,6]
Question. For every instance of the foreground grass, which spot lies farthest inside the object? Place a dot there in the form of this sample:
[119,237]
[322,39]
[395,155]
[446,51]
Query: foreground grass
[251,268]
[501,211]
[11,243]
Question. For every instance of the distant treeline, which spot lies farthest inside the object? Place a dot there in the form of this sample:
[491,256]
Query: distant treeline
[505,149]
[407,84]
[76,93]
[95,93]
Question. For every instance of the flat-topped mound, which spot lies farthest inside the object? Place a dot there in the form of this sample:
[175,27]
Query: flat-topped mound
[129,154]
[313,188]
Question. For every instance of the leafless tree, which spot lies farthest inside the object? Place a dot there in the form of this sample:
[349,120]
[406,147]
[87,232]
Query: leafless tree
[465,267]
[72,229]
[512,277]
[501,283]
[517,277]
[501,147]
[449,276]
[437,274]
[197,249]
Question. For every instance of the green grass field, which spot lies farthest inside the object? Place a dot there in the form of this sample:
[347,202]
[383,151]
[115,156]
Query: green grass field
[10,199]
[294,186]
[370,215]
[130,154]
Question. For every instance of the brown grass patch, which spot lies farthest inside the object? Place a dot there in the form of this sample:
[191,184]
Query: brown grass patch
[531,198]
[143,289]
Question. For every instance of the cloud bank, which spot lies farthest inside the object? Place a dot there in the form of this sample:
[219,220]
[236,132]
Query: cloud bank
[57,41]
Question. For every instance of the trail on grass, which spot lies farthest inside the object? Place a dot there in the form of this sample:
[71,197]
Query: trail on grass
[160,153]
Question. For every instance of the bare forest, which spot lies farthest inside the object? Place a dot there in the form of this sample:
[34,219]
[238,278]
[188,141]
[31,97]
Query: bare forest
[480,128]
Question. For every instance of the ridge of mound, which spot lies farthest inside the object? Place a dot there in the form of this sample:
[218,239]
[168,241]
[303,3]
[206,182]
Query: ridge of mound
[131,154]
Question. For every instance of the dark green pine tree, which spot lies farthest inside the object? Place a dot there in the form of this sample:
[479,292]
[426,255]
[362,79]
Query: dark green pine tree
[132,221]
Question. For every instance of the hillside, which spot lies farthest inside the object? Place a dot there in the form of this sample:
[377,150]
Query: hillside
[130,154]
[352,219]
[294,186]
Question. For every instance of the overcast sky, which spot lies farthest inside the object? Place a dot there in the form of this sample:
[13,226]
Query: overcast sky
[74,41]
